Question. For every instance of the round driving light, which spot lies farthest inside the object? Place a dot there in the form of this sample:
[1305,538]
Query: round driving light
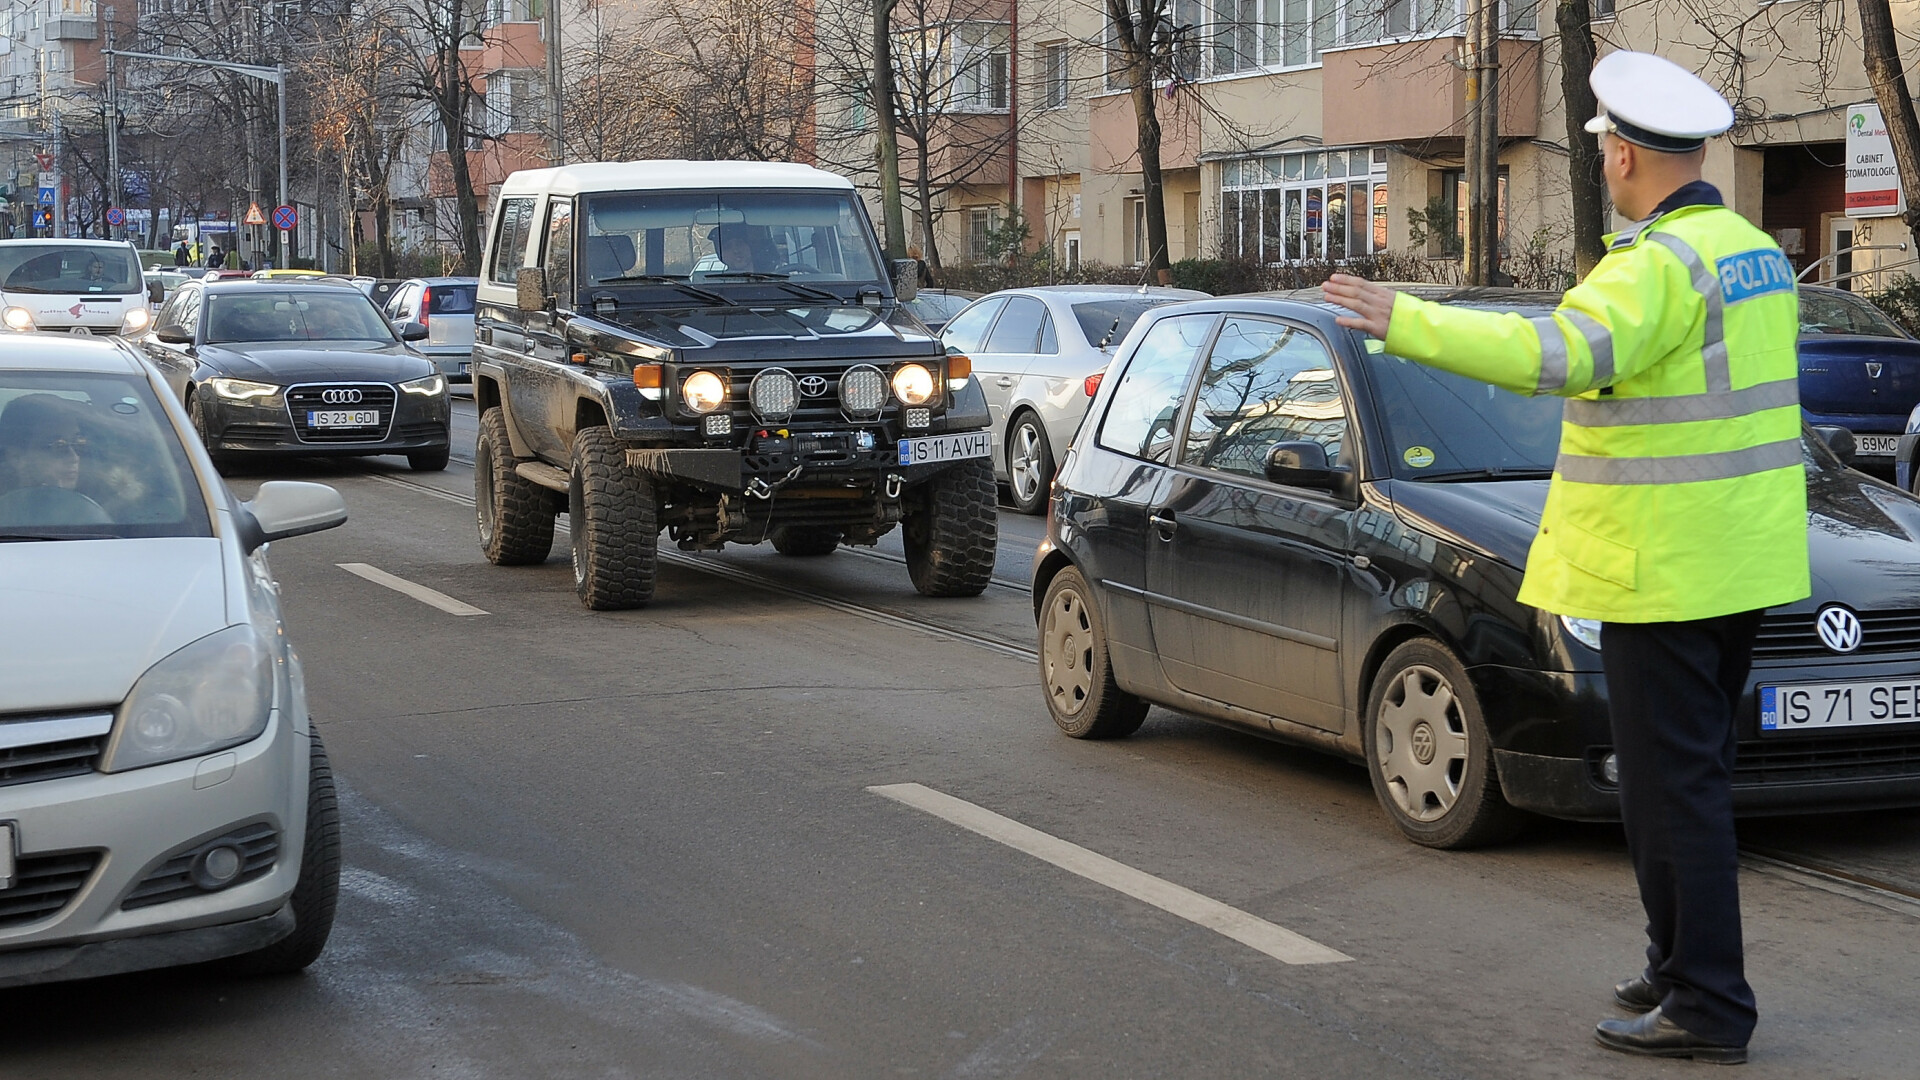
[863,391]
[703,392]
[773,394]
[1610,769]
[218,867]
[913,384]
[18,318]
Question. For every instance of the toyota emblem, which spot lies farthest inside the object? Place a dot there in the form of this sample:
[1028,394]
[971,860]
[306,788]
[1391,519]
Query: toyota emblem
[813,385]
[1839,628]
[340,397]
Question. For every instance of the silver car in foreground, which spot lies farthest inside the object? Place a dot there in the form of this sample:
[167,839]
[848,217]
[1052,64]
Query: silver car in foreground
[1039,354]
[164,798]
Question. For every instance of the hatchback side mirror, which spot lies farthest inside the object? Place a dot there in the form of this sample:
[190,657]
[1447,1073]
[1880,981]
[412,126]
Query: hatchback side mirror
[906,279]
[412,331]
[173,335]
[283,508]
[1299,464]
[531,289]
[1839,440]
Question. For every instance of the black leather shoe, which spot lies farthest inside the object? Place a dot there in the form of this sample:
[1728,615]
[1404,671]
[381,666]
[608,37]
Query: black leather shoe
[1653,1035]
[1636,995]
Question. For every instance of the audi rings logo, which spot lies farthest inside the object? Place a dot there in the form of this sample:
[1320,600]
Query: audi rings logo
[1839,628]
[340,397]
[813,385]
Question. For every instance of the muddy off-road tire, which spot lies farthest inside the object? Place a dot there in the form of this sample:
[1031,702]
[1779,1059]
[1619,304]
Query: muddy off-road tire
[515,514]
[951,530]
[611,515]
[805,540]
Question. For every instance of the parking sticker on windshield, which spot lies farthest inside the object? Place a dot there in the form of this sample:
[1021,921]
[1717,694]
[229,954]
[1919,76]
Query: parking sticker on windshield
[1418,456]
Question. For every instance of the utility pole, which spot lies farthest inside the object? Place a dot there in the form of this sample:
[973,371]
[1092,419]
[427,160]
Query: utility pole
[1481,255]
[113,128]
[555,116]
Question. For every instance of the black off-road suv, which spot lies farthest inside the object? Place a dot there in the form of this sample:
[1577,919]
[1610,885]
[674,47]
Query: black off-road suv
[714,350]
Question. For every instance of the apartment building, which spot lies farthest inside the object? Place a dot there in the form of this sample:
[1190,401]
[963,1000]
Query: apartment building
[50,68]
[1320,129]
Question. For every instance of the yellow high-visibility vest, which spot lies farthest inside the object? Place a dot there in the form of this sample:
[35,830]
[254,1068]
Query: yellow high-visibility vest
[1680,491]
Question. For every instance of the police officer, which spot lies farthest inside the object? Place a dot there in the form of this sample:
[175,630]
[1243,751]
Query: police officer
[1677,513]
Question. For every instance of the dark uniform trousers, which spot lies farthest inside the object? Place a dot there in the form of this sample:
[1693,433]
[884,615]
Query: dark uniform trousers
[1673,688]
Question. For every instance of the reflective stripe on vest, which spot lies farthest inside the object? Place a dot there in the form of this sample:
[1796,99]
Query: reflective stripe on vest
[1599,343]
[1679,468]
[1553,355]
[1685,409]
[1713,343]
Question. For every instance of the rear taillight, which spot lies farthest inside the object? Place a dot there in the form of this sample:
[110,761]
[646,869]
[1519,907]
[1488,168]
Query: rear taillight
[1093,382]
[426,304]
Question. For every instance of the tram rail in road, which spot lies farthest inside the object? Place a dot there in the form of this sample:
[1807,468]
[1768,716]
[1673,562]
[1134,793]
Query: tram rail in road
[1824,875]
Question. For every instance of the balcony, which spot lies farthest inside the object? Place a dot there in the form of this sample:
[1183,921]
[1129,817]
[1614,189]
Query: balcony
[966,148]
[69,26]
[1114,135]
[1406,92]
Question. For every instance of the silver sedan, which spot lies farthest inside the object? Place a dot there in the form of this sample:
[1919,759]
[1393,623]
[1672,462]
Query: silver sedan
[1039,354]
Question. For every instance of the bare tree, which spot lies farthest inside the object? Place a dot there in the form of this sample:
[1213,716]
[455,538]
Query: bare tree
[1588,188]
[1888,77]
[1144,35]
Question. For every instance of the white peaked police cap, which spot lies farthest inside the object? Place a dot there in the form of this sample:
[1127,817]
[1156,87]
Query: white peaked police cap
[1655,103]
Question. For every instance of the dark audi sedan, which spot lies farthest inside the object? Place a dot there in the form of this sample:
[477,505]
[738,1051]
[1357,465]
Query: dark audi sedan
[287,367]
[1268,522]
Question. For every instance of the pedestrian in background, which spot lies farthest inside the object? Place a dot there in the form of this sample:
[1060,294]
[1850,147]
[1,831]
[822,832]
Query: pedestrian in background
[1677,513]
[216,259]
[181,256]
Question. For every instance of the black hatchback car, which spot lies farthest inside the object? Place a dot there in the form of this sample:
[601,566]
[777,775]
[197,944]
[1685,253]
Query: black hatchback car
[1268,522]
[287,367]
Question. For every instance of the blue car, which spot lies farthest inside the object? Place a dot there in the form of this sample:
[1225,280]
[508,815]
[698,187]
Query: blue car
[1858,370]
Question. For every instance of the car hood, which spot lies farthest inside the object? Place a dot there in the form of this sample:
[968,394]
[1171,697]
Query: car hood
[85,618]
[1863,536]
[291,362]
[796,332]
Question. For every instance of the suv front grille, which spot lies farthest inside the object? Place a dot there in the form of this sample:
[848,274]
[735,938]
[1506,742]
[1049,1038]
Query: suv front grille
[49,747]
[303,399]
[44,884]
[1812,759]
[259,847]
[1793,637]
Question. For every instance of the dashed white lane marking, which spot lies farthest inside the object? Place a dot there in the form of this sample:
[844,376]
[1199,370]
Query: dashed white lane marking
[1256,933]
[419,592]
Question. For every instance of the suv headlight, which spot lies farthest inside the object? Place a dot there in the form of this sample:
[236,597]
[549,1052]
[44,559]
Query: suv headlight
[703,392]
[240,389]
[209,695]
[913,384]
[1584,631]
[432,386]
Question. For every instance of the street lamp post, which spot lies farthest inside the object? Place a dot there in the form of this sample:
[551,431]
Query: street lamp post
[276,75]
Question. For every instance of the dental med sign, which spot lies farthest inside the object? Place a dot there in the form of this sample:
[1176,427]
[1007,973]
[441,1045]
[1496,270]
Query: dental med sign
[1873,180]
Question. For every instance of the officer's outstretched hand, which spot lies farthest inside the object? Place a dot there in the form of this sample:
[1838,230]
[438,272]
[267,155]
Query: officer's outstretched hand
[1372,304]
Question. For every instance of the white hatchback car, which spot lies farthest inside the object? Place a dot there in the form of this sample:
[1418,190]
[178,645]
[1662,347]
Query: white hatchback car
[164,798]
[1037,353]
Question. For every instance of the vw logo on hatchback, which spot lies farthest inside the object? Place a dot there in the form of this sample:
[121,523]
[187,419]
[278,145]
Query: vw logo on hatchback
[1839,628]
[813,385]
[340,397]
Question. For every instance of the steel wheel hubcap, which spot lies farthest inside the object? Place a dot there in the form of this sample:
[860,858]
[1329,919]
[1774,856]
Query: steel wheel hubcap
[1024,467]
[1420,743]
[483,494]
[1066,651]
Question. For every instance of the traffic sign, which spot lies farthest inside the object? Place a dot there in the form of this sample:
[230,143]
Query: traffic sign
[43,219]
[49,196]
[285,217]
[254,216]
[116,216]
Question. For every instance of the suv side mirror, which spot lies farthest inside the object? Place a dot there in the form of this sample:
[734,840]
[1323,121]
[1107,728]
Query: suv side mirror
[532,285]
[283,508]
[156,293]
[906,279]
[1299,464]
[1839,440]
[412,331]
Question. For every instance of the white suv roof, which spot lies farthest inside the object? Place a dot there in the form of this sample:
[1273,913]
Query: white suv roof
[676,175]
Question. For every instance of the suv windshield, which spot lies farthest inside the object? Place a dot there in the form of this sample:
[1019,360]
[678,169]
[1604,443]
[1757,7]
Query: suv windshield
[69,268]
[722,236]
[1441,426]
[330,314]
[1830,311]
[86,456]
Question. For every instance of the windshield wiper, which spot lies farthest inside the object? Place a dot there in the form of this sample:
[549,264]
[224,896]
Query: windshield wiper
[662,279]
[761,275]
[1469,475]
[807,290]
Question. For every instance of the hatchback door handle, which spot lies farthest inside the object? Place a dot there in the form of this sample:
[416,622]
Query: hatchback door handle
[1005,381]
[1163,523]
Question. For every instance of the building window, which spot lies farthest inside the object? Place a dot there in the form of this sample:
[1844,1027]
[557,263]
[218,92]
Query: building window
[1603,9]
[981,222]
[1071,242]
[519,100]
[1137,231]
[1058,77]
[1328,204]
[980,68]
[1179,40]
[1453,193]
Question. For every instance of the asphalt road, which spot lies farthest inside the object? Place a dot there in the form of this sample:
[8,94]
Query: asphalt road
[647,844]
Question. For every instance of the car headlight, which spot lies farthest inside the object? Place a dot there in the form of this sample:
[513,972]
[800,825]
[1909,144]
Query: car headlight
[240,389]
[913,384]
[137,319]
[207,696]
[432,386]
[17,318]
[703,392]
[1584,631]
